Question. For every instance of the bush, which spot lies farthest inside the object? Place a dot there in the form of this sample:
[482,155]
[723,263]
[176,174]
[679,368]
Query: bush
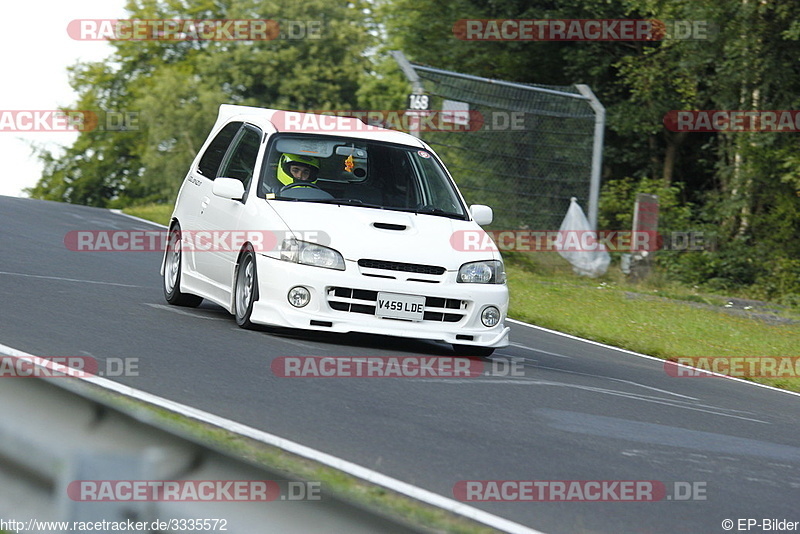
[617,198]
[726,263]
[781,283]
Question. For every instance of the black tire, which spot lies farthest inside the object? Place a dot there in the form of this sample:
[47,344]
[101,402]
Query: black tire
[472,350]
[245,289]
[171,281]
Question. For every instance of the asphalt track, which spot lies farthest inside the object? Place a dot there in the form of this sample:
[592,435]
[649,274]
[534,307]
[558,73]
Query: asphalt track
[581,412]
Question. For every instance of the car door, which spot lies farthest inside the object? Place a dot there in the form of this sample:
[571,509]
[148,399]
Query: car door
[196,196]
[221,215]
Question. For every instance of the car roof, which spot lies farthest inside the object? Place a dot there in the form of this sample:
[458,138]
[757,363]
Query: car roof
[312,123]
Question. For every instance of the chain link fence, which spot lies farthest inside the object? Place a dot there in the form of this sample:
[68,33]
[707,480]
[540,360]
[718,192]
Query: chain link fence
[524,150]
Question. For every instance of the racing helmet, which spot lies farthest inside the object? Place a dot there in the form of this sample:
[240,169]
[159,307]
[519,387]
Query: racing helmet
[287,160]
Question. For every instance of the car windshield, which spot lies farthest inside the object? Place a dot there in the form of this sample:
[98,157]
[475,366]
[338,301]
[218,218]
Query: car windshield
[358,172]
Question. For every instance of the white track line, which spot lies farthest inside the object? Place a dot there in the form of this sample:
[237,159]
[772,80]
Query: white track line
[120,212]
[62,279]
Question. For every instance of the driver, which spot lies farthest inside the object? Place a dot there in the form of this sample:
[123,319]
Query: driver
[293,168]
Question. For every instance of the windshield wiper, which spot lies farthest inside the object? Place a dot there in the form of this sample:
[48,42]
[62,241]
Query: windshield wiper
[430,210]
[346,201]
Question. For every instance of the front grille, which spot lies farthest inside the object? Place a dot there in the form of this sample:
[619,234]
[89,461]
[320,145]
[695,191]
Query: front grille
[401,267]
[352,300]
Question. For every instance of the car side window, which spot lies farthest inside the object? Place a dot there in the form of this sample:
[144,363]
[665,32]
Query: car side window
[212,158]
[241,162]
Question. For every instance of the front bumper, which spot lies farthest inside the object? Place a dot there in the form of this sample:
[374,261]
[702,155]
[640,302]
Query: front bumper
[343,301]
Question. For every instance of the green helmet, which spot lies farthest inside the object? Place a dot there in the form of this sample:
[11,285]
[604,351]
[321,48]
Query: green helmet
[287,160]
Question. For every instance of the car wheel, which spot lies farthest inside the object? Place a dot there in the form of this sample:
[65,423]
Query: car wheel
[472,350]
[245,289]
[172,272]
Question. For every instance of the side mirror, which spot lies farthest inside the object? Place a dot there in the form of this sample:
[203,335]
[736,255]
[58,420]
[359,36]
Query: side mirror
[482,215]
[229,188]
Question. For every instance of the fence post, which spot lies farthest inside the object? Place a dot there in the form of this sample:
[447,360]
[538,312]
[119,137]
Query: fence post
[597,152]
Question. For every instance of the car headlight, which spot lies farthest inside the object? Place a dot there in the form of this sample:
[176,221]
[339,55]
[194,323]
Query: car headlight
[311,254]
[482,272]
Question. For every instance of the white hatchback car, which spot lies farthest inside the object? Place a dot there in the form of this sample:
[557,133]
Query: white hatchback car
[315,222]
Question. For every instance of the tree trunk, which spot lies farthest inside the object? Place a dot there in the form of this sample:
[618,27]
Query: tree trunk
[674,142]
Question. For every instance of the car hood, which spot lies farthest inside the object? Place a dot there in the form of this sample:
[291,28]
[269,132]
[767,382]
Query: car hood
[359,232]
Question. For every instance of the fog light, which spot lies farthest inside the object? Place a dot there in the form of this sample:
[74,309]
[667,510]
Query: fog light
[299,296]
[490,316]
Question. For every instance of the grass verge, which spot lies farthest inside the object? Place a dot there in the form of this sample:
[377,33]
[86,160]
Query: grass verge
[658,318]
[158,213]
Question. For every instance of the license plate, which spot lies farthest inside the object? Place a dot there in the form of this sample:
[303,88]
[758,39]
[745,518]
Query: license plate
[398,306]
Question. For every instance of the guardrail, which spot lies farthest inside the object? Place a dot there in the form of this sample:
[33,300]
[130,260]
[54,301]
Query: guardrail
[57,432]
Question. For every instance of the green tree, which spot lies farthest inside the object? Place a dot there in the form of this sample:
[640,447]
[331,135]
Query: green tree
[176,87]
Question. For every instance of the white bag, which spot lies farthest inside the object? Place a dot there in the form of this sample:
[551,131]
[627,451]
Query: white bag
[591,260]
